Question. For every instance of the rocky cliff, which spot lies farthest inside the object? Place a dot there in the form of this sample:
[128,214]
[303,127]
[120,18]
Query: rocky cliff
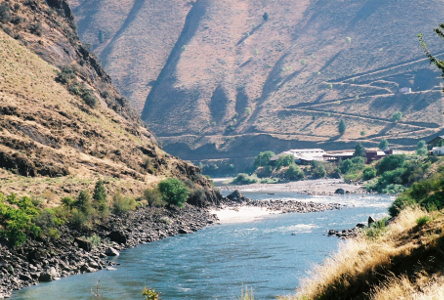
[63,124]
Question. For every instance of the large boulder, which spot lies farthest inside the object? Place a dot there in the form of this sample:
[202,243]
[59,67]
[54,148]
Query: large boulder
[49,275]
[83,244]
[237,197]
[111,252]
[118,237]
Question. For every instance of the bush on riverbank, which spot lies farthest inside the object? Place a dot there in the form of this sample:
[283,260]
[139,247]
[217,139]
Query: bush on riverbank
[173,191]
[244,178]
[428,194]
[396,172]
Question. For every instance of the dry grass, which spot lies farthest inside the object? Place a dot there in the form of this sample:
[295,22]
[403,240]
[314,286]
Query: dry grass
[50,128]
[397,263]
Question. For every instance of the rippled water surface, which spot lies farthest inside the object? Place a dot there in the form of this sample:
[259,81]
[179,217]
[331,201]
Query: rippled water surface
[270,255]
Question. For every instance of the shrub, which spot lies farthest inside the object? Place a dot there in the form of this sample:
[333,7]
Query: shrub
[377,229]
[421,148]
[150,294]
[390,163]
[81,220]
[154,197]
[83,202]
[36,28]
[284,160]
[423,220]
[294,173]
[5,13]
[397,116]
[94,239]
[428,194]
[342,127]
[173,191]
[243,178]
[352,165]
[123,205]
[68,202]
[318,169]
[263,159]
[48,223]
[66,75]
[269,180]
[369,173]
[99,197]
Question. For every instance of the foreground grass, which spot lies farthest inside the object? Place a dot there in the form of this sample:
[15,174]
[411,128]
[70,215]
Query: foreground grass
[404,262]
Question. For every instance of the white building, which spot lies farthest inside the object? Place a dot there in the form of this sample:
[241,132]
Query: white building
[405,90]
[438,151]
[303,155]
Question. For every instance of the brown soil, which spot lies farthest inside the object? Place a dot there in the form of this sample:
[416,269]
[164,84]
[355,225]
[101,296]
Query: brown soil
[211,75]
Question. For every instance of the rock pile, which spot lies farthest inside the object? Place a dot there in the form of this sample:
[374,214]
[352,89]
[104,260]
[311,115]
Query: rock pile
[285,206]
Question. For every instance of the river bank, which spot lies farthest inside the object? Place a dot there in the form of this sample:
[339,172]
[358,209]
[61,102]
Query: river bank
[307,187]
[48,260]
[73,253]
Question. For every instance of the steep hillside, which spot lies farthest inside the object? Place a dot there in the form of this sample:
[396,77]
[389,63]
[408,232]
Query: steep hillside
[231,78]
[54,141]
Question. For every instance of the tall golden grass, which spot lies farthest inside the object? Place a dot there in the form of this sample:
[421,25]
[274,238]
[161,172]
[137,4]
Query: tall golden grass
[362,266]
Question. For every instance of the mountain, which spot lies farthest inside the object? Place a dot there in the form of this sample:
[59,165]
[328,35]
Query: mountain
[63,124]
[218,79]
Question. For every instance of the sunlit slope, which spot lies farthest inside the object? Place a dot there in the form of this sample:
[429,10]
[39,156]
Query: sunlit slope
[53,144]
[222,76]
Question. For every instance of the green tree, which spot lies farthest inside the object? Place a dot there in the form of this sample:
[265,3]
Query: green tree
[263,159]
[284,160]
[173,191]
[421,148]
[265,16]
[83,202]
[384,145]
[369,173]
[397,116]
[342,127]
[318,169]
[359,150]
[99,196]
[390,163]
[294,173]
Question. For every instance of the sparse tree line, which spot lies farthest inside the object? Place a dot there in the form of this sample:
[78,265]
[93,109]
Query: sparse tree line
[21,218]
[392,174]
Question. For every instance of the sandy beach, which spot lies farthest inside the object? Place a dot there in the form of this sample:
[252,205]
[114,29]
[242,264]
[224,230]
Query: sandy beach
[309,187]
[241,214]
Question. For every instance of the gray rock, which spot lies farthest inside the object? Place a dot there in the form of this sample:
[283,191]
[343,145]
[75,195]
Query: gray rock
[370,221]
[83,244]
[111,252]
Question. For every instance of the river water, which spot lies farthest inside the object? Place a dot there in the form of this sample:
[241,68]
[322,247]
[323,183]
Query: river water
[270,255]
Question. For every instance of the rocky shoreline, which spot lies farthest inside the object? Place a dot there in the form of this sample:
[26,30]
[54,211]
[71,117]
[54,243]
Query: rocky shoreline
[44,260]
[73,253]
[236,199]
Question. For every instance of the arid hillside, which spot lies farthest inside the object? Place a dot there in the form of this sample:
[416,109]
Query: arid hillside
[217,79]
[63,125]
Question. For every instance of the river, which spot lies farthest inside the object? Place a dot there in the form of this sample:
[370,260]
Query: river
[269,255]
